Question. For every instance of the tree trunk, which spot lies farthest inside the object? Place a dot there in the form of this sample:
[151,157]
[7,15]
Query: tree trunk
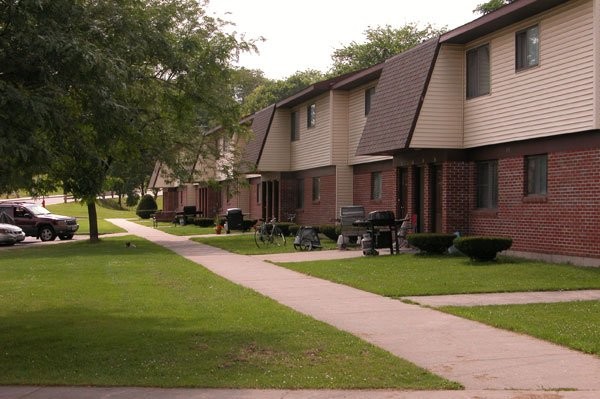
[93,218]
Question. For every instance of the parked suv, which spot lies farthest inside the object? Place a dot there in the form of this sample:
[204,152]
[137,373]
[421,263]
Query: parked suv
[37,221]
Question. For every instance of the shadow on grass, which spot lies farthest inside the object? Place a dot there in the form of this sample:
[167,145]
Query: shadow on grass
[80,346]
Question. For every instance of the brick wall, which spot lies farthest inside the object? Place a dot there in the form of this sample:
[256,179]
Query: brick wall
[564,222]
[457,196]
[362,187]
[317,212]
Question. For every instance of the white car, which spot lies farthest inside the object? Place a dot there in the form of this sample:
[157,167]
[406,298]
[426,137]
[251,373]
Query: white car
[11,234]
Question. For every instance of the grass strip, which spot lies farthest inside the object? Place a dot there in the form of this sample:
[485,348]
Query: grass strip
[572,324]
[244,244]
[403,275]
[110,315]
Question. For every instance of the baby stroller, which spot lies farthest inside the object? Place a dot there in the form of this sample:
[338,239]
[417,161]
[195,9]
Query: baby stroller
[307,239]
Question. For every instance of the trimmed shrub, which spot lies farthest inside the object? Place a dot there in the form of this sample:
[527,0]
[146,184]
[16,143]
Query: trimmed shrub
[204,222]
[294,229]
[248,224]
[432,243]
[132,199]
[330,231]
[146,207]
[482,248]
[285,227]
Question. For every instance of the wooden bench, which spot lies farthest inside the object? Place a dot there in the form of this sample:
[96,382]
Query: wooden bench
[163,216]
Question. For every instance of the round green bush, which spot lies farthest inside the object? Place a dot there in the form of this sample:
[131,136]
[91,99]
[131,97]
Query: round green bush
[432,243]
[482,248]
[132,199]
[330,231]
[204,222]
[146,207]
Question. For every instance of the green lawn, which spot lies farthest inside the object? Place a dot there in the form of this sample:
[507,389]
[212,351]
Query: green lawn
[244,244]
[402,275]
[572,324]
[108,315]
[104,209]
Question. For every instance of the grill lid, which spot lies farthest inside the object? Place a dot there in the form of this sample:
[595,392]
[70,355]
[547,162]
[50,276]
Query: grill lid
[380,216]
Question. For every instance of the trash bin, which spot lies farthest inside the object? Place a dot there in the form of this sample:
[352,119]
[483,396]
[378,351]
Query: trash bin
[235,219]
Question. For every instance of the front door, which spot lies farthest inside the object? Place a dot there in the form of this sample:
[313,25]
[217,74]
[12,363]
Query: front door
[418,199]
[402,194]
[270,199]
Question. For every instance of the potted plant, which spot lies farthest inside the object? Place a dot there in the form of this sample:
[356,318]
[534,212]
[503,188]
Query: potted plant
[218,225]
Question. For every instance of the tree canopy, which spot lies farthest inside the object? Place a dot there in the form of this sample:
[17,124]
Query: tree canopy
[491,5]
[84,83]
[271,91]
[381,43]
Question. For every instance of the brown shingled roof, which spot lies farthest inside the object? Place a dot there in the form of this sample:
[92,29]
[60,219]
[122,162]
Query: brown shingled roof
[398,100]
[260,127]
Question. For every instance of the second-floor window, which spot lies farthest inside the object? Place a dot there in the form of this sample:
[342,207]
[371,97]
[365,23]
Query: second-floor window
[316,188]
[294,126]
[478,71]
[311,115]
[527,45]
[487,184]
[369,93]
[537,174]
[376,185]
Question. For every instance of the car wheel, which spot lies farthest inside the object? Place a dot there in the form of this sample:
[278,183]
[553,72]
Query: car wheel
[47,233]
[66,236]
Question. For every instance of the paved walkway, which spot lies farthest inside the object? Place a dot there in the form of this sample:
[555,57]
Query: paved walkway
[490,363]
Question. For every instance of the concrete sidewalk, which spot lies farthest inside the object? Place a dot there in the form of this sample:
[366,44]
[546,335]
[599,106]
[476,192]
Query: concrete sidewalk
[29,392]
[477,356]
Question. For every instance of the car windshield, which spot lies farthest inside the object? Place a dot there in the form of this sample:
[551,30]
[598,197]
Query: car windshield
[38,210]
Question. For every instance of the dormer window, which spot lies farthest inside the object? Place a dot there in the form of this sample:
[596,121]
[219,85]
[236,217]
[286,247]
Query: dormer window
[369,93]
[478,71]
[295,127]
[527,46]
[311,115]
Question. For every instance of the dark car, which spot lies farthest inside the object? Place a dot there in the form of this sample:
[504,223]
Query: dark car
[37,221]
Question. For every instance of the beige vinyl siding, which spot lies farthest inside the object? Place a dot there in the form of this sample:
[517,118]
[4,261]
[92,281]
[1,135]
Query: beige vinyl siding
[276,152]
[440,123]
[553,98]
[339,127]
[313,149]
[344,184]
[356,124]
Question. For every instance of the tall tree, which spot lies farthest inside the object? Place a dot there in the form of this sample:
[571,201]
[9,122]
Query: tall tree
[84,83]
[491,5]
[381,43]
[272,91]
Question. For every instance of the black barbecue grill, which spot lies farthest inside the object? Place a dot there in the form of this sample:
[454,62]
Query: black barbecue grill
[382,231]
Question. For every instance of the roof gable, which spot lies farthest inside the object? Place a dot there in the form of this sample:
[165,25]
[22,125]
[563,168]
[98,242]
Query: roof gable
[260,128]
[398,99]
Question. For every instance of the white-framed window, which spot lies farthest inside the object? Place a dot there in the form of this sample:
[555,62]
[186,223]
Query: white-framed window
[478,71]
[527,48]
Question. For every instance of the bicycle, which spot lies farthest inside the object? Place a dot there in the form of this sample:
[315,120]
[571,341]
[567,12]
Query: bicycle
[269,234]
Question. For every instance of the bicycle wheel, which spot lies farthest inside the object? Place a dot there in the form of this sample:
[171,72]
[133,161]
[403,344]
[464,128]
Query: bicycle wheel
[260,239]
[277,237]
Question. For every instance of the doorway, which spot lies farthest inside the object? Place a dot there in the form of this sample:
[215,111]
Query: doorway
[436,198]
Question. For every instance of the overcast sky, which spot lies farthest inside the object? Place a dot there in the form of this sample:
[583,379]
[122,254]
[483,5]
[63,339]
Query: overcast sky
[302,34]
